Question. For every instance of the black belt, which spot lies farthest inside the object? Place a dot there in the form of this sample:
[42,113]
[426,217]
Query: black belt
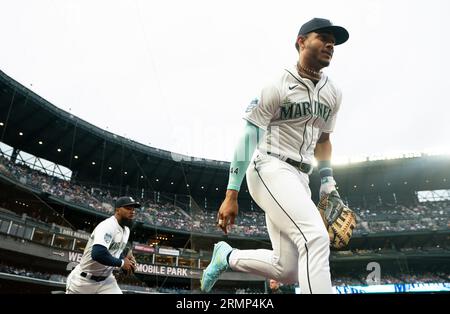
[305,168]
[95,278]
[299,165]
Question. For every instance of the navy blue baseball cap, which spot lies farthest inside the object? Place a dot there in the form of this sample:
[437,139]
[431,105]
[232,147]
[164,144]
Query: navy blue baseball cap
[126,201]
[317,24]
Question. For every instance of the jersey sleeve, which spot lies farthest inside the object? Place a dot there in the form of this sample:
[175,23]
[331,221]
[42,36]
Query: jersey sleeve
[127,235]
[331,122]
[103,234]
[261,111]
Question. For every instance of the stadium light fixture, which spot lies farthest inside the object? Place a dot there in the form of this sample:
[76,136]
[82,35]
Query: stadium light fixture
[126,172]
[59,150]
[40,142]
[355,186]
[202,187]
[76,157]
[217,189]
[1,124]
[109,168]
[157,180]
[142,177]
[171,183]
[406,182]
[389,183]
[20,133]
[445,180]
[93,163]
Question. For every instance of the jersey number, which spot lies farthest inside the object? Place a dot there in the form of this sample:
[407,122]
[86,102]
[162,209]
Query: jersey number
[235,171]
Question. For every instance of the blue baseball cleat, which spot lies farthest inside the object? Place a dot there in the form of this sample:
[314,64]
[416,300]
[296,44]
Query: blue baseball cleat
[216,267]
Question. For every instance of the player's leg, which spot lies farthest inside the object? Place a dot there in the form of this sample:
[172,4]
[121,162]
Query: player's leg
[109,286]
[267,263]
[76,284]
[317,250]
[280,263]
[68,283]
[283,193]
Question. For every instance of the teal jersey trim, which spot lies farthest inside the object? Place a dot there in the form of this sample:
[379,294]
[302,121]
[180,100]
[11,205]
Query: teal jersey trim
[243,154]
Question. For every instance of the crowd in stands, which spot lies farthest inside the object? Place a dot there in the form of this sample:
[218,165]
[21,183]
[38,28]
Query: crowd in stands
[346,281]
[378,218]
[4,268]
[390,217]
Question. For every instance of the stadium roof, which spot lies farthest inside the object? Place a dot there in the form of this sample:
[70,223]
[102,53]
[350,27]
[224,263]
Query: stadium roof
[30,123]
[93,154]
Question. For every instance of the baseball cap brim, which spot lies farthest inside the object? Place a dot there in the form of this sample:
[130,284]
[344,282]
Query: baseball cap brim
[340,34]
[135,205]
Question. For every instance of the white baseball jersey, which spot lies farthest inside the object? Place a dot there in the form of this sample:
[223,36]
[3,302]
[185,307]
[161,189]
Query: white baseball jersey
[109,234]
[295,113]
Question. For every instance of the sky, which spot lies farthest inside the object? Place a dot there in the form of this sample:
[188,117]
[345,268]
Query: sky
[178,75]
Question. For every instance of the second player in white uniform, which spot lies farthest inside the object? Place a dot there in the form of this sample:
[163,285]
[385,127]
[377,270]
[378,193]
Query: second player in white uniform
[102,253]
[288,126]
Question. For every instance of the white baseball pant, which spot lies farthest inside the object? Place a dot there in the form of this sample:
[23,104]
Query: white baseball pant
[76,284]
[299,238]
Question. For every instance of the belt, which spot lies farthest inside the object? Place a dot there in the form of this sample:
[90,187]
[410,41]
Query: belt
[305,168]
[95,278]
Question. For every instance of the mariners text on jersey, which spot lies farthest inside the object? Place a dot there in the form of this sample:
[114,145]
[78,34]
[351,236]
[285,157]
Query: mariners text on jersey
[294,110]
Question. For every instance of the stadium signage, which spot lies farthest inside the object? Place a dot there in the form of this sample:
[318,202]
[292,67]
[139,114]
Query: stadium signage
[74,234]
[168,252]
[144,248]
[163,270]
[147,269]
[75,257]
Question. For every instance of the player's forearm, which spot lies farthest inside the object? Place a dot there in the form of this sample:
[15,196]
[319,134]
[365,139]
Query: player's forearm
[323,151]
[242,156]
[101,255]
[323,156]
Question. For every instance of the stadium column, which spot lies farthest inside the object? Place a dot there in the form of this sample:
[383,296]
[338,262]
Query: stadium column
[8,114]
[103,162]
[121,167]
[73,144]
[14,154]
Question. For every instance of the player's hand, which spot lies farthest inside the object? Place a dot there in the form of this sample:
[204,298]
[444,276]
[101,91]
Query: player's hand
[228,211]
[327,186]
[131,257]
[129,265]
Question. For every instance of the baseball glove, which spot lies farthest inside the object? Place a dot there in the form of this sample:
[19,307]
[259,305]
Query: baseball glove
[338,219]
[128,253]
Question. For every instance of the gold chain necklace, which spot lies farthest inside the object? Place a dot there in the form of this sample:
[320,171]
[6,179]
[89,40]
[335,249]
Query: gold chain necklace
[308,71]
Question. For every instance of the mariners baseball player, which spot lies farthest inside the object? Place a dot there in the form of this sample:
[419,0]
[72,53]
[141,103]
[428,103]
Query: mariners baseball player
[288,126]
[103,253]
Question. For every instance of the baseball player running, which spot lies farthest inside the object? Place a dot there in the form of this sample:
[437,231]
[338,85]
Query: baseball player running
[288,126]
[103,253]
